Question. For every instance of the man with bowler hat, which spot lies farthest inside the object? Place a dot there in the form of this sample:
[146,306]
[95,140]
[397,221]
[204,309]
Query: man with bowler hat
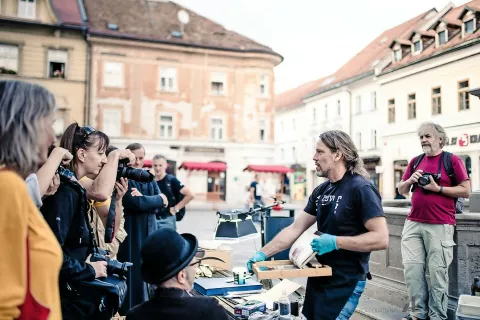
[168,262]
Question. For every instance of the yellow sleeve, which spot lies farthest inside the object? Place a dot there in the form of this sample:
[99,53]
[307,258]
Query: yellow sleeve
[13,236]
[102,204]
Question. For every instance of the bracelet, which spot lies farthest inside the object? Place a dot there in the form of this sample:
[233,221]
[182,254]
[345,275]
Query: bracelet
[441,190]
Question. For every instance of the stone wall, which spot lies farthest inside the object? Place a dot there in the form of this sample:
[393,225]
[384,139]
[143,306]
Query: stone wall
[388,283]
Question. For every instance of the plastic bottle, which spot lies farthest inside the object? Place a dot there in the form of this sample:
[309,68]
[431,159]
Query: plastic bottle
[284,306]
[476,286]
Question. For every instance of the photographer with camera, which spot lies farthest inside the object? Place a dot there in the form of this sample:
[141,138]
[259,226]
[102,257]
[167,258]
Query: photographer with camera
[142,202]
[437,179]
[66,212]
[108,215]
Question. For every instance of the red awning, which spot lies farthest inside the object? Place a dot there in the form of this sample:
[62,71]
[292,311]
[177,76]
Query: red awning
[147,163]
[268,168]
[206,166]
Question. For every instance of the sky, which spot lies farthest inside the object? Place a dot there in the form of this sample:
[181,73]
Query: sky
[315,37]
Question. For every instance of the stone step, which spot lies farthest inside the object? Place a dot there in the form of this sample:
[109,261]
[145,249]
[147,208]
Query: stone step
[369,308]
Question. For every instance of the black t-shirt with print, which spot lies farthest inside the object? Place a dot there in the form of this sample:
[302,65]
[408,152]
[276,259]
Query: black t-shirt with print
[342,208]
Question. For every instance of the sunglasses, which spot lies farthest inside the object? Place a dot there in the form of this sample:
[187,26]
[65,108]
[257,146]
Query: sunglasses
[87,130]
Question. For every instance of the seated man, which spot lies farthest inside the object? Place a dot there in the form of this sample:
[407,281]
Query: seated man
[168,262]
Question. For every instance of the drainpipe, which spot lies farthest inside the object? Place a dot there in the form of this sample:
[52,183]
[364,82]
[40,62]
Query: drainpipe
[87,78]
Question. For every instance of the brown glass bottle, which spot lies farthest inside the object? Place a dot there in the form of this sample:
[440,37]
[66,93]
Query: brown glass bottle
[476,286]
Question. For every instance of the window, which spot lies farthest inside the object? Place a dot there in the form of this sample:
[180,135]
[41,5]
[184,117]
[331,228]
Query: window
[436,101]
[263,130]
[463,95]
[264,86]
[216,129]
[373,100]
[417,46]
[8,59]
[442,37]
[27,9]
[359,104]
[168,79]
[398,54]
[339,108]
[57,62]
[391,111]
[326,112]
[218,83]
[113,74]
[469,26]
[373,139]
[359,140]
[412,106]
[166,127]
[112,121]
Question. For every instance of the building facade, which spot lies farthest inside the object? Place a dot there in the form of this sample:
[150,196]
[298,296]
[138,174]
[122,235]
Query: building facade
[195,93]
[43,42]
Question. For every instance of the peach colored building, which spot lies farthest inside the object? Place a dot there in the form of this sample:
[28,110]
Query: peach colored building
[193,92]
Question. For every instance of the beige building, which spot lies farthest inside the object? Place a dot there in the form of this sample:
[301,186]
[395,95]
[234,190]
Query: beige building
[194,91]
[42,42]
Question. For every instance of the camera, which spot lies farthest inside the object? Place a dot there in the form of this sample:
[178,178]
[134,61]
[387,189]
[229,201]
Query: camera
[125,171]
[64,173]
[425,179]
[113,266]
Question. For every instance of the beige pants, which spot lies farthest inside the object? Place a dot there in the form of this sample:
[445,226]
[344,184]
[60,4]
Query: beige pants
[427,247]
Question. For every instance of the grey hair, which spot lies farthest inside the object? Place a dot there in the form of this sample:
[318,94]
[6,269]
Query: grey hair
[158,157]
[337,140]
[22,107]
[439,131]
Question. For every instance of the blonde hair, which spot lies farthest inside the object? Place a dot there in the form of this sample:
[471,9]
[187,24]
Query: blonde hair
[23,106]
[337,140]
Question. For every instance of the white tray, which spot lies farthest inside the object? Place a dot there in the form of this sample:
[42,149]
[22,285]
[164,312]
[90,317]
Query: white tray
[469,306]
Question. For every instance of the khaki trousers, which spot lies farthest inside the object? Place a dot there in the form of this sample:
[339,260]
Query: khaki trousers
[427,247]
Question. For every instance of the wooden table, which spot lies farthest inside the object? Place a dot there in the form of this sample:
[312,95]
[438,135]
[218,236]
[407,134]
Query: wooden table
[229,304]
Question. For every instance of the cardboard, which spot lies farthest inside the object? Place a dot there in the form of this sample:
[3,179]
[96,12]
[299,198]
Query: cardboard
[284,269]
[225,255]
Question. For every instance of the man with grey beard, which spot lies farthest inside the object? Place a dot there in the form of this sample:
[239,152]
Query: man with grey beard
[437,178]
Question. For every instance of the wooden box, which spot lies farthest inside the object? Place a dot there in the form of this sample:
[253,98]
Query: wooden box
[284,269]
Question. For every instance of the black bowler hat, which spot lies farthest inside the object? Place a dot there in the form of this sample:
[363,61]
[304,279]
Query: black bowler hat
[165,253]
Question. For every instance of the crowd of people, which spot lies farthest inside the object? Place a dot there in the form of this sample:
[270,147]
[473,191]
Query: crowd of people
[71,214]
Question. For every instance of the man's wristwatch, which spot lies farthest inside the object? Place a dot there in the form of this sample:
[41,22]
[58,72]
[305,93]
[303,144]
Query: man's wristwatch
[441,190]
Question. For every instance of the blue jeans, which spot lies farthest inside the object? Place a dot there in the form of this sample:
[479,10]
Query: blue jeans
[352,302]
[167,222]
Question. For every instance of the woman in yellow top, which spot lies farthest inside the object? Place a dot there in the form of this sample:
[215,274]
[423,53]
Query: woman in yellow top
[27,114]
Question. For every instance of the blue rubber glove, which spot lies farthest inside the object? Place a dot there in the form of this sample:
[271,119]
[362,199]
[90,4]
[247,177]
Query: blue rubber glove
[324,244]
[258,257]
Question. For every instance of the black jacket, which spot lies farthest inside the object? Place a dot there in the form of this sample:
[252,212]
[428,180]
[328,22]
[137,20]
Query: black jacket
[65,213]
[174,304]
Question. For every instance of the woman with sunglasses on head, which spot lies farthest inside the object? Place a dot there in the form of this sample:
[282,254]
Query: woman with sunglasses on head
[30,256]
[67,213]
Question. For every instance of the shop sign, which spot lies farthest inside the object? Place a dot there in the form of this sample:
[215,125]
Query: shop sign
[463,140]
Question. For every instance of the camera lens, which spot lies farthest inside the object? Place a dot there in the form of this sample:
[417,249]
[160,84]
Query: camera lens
[140,175]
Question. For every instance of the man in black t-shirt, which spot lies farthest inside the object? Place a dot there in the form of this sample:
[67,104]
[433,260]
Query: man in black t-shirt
[173,189]
[348,212]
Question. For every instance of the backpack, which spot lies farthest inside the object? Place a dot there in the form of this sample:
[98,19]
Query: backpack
[174,198]
[447,164]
